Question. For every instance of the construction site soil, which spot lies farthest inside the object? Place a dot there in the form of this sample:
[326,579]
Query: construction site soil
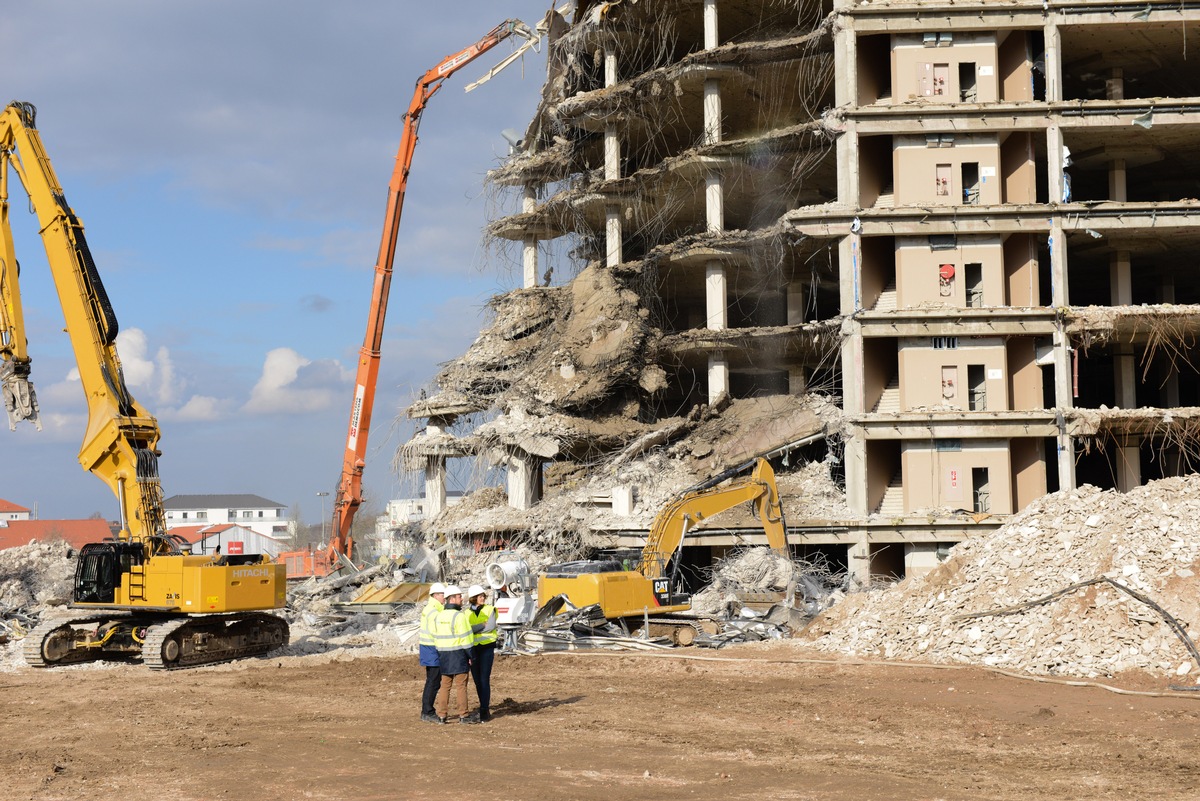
[756,721]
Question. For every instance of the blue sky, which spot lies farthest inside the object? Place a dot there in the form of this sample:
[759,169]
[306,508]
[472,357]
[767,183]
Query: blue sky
[230,163]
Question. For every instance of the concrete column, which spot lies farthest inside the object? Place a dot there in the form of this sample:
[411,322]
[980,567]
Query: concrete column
[1116,181]
[1054,163]
[1170,382]
[858,562]
[1124,375]
[718,376]
[612,153]
[435,471]
[715,279]
[854,459]
[614,254]
[852,341]
[524,481]
[613,232]
[845,62]
[1129,467]
[717,319]
[1053,58]
[797,381]
[435,485]
[1114,87]
[529,251]
[715,295]
[1063,364]
[795,303]
[847,166]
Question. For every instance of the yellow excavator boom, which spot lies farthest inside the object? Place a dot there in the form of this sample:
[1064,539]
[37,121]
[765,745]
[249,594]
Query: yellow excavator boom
[120,445]
[143,592]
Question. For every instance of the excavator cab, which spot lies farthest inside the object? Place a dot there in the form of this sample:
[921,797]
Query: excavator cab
[101,564]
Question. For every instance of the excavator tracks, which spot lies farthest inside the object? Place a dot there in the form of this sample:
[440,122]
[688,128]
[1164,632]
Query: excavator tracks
[56,641]
[680,631]
[188,642]
[164,643]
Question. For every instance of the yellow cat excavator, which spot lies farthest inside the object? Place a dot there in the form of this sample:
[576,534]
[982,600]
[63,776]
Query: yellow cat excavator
[142,592]
[649,588]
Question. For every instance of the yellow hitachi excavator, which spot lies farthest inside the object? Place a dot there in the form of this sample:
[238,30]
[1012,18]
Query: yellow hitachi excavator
[141,592]
[649,589]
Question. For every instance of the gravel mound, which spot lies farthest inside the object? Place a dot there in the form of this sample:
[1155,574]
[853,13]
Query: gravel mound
[1146,540]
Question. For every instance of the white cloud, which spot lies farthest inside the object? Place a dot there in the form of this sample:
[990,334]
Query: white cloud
[292,384]
[199,408]
[154,374]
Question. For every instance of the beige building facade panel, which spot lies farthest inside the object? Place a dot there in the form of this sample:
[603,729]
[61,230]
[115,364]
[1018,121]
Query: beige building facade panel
[969,274]
[945,67]
[947,170]
[964,373]
[972,475]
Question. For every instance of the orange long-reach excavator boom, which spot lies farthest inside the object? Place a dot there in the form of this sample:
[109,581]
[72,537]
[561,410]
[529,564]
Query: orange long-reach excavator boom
[349,492]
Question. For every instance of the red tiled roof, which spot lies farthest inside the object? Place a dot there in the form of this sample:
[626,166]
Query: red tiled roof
[189,533]
[9,506]
[75,533]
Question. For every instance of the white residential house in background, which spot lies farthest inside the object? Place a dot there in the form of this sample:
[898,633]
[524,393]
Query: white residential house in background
[400,513]
[10,511]
[248,511]
[230,539]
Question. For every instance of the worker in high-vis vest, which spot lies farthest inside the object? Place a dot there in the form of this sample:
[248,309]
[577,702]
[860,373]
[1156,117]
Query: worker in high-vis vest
[429,654]
[453,638]
[482,616]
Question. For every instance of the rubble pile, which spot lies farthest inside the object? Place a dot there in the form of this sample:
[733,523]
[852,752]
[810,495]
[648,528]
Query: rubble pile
[322,623]
[40,573]
[1145,540]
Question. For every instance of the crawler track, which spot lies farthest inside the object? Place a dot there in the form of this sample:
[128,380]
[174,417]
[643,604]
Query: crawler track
[188,642]
[51,642]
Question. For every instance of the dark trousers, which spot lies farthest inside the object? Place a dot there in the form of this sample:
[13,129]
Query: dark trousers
[482,657]
[433,682]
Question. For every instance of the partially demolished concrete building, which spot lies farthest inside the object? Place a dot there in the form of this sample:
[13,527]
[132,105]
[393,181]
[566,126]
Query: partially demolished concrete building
[936,252]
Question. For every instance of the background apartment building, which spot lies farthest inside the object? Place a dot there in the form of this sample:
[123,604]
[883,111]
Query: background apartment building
[969,222]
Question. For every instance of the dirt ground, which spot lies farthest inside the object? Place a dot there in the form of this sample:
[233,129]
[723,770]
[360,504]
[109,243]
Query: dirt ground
[749,722]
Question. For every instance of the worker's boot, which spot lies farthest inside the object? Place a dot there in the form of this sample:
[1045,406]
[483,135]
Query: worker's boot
[426,718]
[484,716]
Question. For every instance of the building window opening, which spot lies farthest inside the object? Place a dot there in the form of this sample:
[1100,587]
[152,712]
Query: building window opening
[970,183]
[974,278]
[977,378]
[967,90]
[980,494]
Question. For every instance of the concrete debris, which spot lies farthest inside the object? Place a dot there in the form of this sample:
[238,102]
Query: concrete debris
[1144,539]
[555,349]
[677,453]
[37,574]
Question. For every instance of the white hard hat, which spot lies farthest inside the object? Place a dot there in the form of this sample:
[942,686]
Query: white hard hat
[437,587]
[475,590]
[453,589]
